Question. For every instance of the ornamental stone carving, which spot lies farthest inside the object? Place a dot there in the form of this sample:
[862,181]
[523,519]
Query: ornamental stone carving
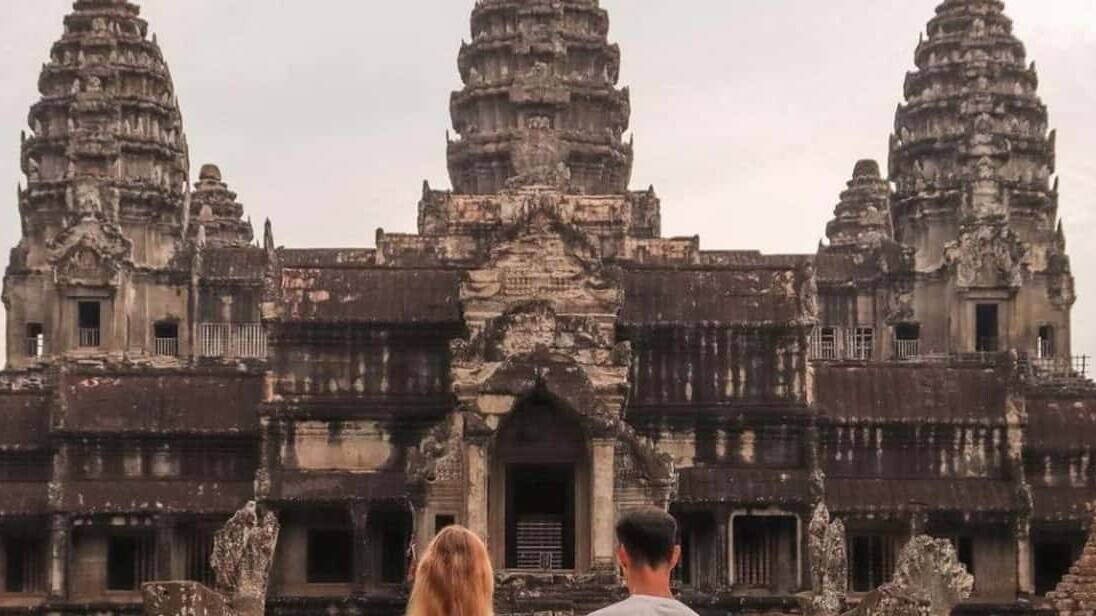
[541,316]
[90,253]
[539,156]
[928,580]
[829,564]
[243,552]
[988,256]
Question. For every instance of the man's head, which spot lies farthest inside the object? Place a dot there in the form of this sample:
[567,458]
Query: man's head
[648,545]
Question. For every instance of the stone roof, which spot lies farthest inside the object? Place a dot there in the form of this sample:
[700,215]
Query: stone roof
[905,495]
[371,295]
[911,393]
[729,296]
[159,401]
[327,257]
[224,264]
[334,293]
[718,484]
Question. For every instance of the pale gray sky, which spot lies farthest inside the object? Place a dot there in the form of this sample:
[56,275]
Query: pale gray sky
[326,115]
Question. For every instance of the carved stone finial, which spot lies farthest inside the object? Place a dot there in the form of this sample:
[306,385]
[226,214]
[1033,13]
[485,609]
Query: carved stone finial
[268,236]
[210,173]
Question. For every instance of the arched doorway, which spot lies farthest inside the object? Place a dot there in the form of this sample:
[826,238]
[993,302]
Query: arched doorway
[539,498]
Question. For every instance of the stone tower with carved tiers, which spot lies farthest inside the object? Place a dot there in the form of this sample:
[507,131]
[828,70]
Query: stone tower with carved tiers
[105,207]
[216,216]
[540,103]
[972,162]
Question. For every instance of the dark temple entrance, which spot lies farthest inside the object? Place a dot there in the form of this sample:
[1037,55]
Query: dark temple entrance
[987,328]
[540,490]
[540,517]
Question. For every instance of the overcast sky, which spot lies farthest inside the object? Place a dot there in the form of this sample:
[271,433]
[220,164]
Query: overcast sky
[326,115]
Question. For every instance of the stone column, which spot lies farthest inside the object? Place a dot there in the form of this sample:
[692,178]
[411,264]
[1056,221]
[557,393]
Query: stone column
[727,541]
[60,538]
[359,519]
[165,541]
[603,502]
[1025,562]
[423,528]
[475,456]
[722,547]
[267,480]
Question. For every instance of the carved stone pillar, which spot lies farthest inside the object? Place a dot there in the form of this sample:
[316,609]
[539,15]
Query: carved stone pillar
[165,541]
[475,457]
[60,538]
[603,502]
[359,519]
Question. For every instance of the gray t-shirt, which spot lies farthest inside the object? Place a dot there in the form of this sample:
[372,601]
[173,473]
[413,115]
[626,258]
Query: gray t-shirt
[642,605]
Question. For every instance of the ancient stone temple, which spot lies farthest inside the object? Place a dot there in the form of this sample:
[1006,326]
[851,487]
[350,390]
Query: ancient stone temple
[537,357]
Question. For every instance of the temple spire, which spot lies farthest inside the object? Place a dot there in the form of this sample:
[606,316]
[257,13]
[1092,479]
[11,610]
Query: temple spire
[540,103]
[972,160]
[862,218]
[973,131]
[215,209]
[107,138]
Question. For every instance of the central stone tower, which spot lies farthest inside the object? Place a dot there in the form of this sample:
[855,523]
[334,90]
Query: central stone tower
[540,104]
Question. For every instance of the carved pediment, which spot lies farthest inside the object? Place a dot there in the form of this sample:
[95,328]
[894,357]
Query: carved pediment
[988,256]
[543,260]
[543,294]
[90,253]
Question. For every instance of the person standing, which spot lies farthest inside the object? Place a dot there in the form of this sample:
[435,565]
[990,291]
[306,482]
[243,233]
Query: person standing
[647,552]
[454,577]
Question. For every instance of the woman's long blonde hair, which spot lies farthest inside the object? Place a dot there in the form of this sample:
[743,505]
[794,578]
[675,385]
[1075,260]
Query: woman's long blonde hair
[454,577]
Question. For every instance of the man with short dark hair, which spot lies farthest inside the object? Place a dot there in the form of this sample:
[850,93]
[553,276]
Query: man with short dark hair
[647,553]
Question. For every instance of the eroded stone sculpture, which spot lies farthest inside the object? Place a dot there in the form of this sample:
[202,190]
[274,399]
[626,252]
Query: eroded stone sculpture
[243,552]
[829,564]
[929,580]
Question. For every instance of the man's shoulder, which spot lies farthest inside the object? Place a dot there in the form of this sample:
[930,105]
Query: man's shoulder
[644,606]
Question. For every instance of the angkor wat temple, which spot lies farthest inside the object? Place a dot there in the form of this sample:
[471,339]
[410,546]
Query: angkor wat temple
[538,357]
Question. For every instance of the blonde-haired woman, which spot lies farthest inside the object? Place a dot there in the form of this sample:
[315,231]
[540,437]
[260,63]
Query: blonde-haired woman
[454,577]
